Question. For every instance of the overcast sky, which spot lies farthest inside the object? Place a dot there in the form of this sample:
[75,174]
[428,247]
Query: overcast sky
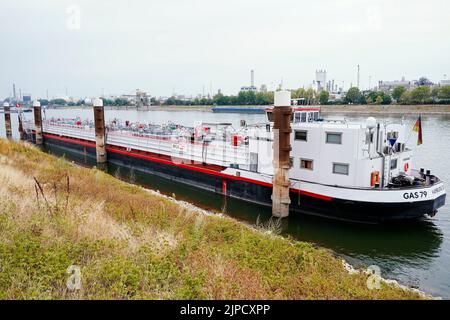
[116,46]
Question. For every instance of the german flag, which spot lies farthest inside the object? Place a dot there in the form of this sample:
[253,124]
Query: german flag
[418,128]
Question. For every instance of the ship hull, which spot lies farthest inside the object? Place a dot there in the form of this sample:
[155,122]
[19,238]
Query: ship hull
[213,180]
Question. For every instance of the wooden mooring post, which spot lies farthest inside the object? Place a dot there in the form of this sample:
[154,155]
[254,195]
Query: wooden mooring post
[99,123]
[7,111]
[282,113]
[21,130]
[38,122]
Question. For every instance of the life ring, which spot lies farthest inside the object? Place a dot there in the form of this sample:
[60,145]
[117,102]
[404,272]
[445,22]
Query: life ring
[406,167]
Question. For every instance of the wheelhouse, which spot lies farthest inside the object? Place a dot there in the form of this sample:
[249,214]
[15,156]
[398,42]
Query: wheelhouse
[299,114]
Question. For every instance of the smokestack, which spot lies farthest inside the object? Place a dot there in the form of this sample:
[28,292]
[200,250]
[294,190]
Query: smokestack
[252,78]
[281,153]
[14,91]
[358,77]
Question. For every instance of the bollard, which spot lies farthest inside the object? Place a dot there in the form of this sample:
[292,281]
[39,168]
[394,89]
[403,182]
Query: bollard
[38,122]
[99,122]
[7,111]
[281,154]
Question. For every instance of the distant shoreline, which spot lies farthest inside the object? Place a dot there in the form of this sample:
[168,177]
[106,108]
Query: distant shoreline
[325,109]
[386,109]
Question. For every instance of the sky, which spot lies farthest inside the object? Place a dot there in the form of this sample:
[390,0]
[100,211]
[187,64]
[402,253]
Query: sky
[90,48]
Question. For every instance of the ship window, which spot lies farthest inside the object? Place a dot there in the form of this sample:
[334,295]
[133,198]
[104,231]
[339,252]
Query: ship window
[334,138]
[340,168]
[301,135]
[306,164]
[316,115]
[296,117]
[291,162]
[303,116]
[393,164]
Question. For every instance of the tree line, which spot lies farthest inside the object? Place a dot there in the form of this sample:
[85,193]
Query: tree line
[422,94]
[243,98]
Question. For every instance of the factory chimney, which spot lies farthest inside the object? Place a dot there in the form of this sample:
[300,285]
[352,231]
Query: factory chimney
[252,78]
[358,77]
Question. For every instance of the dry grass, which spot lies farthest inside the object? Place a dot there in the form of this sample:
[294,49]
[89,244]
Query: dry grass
[131,244]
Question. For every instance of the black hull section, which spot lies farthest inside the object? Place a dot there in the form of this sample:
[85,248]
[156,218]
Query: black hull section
[356,211]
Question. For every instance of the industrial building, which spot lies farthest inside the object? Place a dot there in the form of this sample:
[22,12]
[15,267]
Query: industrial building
[389,86]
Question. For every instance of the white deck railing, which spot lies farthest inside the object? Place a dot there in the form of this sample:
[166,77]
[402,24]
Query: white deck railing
[219,152]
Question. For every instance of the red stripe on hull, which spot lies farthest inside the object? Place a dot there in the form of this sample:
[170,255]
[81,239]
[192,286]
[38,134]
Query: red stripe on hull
[313,195]
[80,142]
[206,169]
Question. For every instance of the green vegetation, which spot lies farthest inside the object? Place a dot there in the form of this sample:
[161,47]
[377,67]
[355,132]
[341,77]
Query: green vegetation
[133,244]
[323,97]
[353,96]
[398,92]
[423,94]
[243,98]
[419,95]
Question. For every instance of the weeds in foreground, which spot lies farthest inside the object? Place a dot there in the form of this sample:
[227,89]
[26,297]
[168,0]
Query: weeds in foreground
[271,226]
[131,244]
[59,204]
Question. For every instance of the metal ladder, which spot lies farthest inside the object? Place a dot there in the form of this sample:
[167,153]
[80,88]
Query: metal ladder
[386,170]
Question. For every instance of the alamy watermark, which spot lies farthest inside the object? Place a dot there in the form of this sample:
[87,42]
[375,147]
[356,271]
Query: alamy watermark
[74,280]
[73,19]
[374,280]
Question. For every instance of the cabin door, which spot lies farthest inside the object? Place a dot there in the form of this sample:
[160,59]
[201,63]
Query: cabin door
[253,162]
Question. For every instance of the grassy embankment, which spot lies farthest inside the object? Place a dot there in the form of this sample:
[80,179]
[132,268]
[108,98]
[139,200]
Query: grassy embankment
[132,244]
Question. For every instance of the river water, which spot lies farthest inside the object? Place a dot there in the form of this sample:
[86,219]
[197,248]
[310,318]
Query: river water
[416,253]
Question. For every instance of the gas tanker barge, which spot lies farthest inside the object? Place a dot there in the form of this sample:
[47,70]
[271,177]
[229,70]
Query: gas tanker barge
[343,170]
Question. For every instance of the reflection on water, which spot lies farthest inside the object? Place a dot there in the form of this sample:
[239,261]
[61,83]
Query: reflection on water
[416,253]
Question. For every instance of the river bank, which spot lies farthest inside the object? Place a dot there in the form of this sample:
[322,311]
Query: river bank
[129,243]
[386,109]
